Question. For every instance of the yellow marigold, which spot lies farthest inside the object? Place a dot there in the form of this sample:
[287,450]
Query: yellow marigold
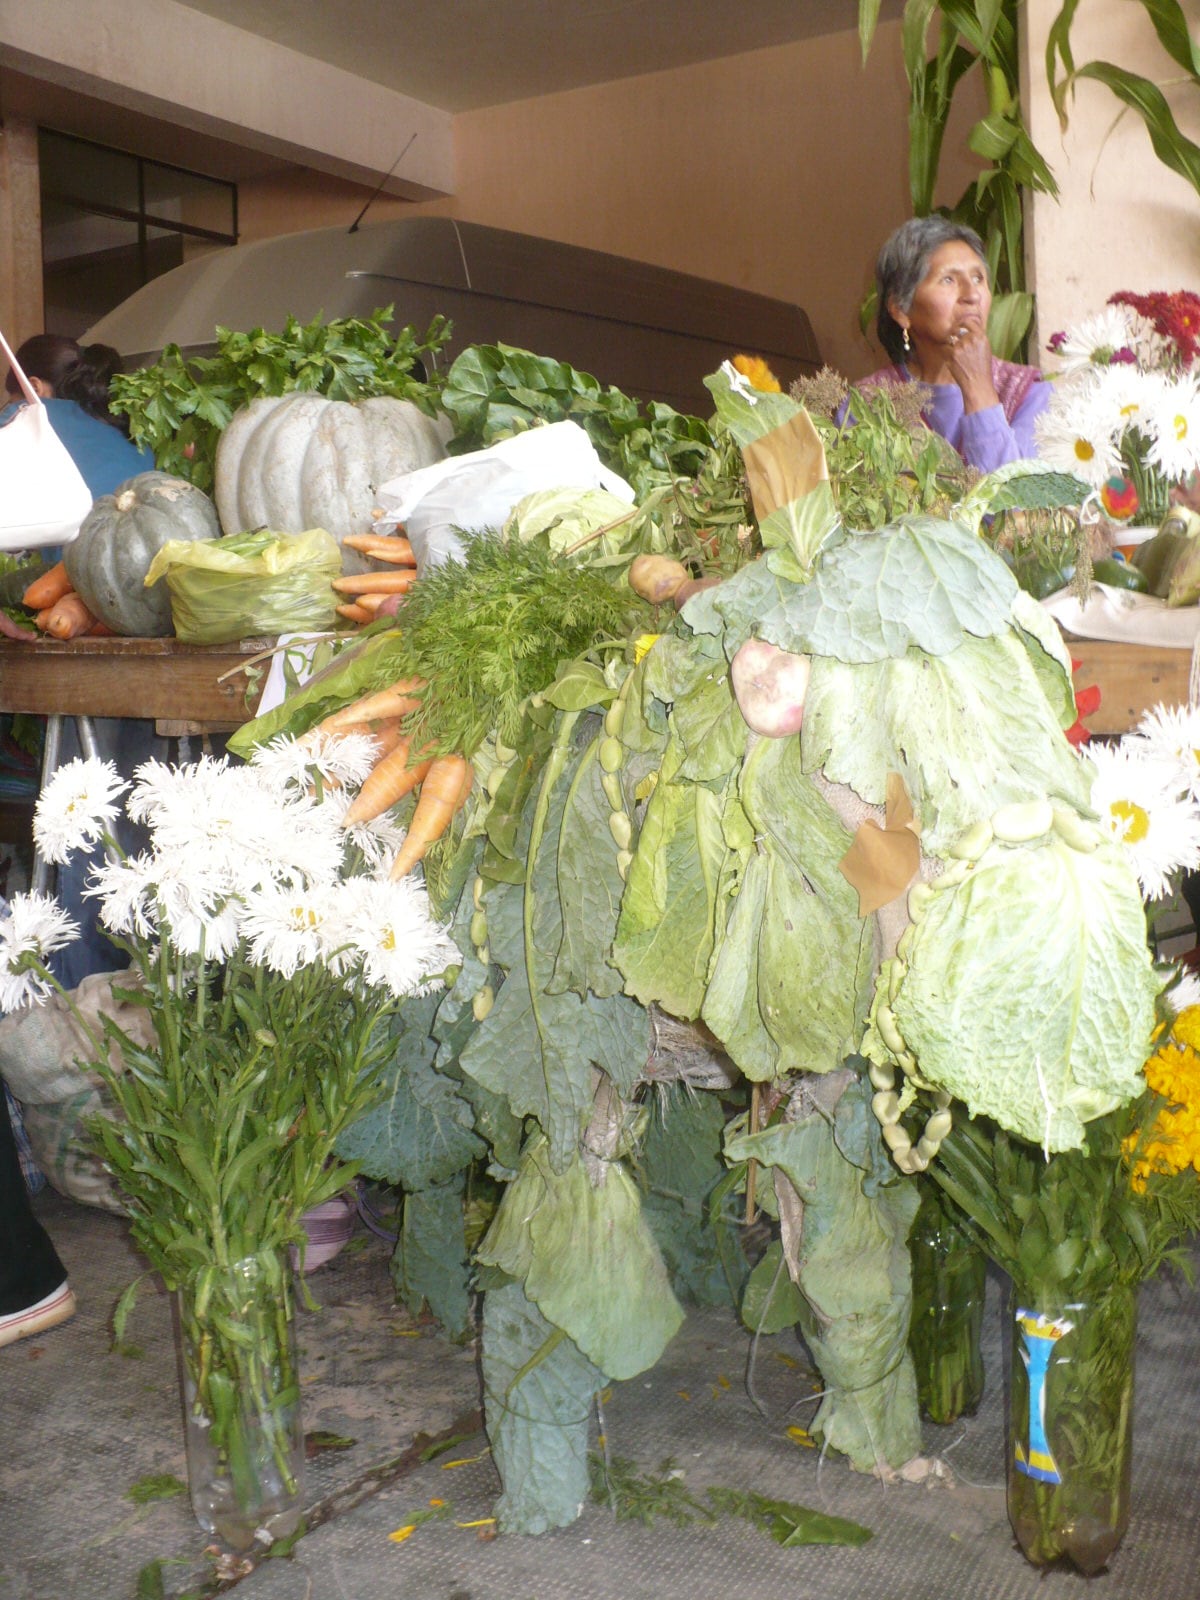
[1186,1027]
[761,377]
[1174,1072]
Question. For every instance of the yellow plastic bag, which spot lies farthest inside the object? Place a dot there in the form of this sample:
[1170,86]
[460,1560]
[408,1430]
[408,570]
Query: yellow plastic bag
[250,584]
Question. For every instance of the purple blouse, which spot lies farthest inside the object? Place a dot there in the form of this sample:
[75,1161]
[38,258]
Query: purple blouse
[985,439]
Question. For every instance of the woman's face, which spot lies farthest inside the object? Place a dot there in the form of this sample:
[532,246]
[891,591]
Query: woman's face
[953,294]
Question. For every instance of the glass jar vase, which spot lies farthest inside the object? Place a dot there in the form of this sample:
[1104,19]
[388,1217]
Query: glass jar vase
[236,1345]
[1071,1424]
[949,1277]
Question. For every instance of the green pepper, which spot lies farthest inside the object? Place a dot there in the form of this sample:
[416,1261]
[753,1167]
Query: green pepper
[1043,581]
[1119,575]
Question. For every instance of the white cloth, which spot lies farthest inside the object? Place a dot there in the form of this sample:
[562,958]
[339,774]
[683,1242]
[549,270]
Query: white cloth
[1122,616]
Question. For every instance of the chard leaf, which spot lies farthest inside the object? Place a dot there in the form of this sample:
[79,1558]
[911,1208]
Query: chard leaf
[589,887]
[711,729]
[1030,989]
[429,1266]
[731,1007]
[772,1301]
[421,1133]
[538,1389]
[968,732]
[855,1323]
[921,582]
[665,931]
[581,1247]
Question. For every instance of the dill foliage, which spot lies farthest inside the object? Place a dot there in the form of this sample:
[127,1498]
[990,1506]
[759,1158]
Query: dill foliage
[489,630]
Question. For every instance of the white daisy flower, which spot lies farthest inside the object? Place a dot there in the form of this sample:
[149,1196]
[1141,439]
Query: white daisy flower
[1172,733]
[35,927]
[376,841]
[1075,434]
[287,929]
[1127,397]
[1141,805]
[75,806]
[1096,340]
[386,929]
[1174,427]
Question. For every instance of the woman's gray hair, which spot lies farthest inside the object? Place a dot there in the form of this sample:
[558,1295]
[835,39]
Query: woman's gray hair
[904,261]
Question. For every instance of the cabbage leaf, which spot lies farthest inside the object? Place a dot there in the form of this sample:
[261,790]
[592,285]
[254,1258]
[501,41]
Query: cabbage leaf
[1030,989]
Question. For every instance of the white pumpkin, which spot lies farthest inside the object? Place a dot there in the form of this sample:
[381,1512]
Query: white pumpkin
[298,461]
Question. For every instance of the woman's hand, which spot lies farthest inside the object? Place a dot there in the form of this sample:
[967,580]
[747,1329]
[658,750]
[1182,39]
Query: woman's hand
[969,358]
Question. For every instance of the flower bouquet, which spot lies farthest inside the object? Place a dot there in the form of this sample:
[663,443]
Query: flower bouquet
[1125,414]
[269,949]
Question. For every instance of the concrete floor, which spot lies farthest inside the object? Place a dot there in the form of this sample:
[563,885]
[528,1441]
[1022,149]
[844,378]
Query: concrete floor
[80,1424]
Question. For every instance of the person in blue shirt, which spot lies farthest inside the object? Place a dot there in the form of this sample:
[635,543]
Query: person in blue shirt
[74,381]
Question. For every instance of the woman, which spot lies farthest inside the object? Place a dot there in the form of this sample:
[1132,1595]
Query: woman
[934,299]
[74,382]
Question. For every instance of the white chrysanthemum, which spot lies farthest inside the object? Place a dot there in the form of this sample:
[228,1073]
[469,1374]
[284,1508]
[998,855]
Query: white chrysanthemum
[75,806]
[1075,434]
[35,927]
[376,841]
[1174,429]
[1183,993]
[1141,805]
[386,930]
[1096,340]
[1173,734]
[125,889]
[338,759]
[287,929]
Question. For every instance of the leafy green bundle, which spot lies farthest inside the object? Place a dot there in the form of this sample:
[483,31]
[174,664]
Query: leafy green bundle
[178,406]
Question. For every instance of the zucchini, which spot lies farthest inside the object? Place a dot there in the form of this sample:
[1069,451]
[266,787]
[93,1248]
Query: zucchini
[1120,575]
[1157,559]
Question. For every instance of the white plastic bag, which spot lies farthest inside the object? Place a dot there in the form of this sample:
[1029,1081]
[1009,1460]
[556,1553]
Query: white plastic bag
[479,490]
[43,498]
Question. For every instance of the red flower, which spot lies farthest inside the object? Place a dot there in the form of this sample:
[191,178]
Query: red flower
[1174,317]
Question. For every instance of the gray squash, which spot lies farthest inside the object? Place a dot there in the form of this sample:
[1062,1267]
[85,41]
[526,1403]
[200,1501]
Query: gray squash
[108,560]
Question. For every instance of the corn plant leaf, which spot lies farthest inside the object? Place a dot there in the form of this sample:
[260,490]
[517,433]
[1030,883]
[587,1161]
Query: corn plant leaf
[1171,146]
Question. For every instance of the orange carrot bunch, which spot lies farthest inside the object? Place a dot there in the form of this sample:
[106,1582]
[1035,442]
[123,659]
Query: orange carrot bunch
[364,594]
[442,782]
[60,612]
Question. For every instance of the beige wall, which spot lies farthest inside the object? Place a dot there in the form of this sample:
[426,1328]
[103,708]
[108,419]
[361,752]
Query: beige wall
[779,171]
[1124,221]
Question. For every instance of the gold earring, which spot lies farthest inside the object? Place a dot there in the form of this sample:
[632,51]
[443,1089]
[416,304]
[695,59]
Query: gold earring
[905,341]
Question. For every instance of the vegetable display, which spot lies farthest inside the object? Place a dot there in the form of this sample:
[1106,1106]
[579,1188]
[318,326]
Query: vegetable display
[666,839]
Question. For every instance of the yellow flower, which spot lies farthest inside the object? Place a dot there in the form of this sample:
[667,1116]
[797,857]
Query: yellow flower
[1173,1071]
[758,372]
[1186,1027]
[644,643]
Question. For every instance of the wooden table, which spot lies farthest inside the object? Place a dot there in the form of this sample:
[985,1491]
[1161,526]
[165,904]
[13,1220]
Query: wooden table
[1132,679]
[185,688]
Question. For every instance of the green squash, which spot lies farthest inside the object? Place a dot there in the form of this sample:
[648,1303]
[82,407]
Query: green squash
[108,560]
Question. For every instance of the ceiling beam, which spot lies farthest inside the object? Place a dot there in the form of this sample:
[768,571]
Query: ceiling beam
[164,60]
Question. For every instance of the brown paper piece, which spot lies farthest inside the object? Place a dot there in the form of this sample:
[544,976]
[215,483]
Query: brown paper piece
[784,464]
[881,863]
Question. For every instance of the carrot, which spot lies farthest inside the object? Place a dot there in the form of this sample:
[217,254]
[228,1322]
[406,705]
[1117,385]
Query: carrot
[385,732]
[43,617]
[101,630]
[382,547]
[48,587]
[388,781]
[69,617]
[355,613]
[444,788]
[394,701]
[377,582]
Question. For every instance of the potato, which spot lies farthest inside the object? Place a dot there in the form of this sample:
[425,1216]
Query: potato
[770,685]
[693,586]
[656,578]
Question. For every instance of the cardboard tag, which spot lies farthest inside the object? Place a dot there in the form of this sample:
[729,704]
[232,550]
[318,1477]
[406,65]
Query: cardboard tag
[882,862]
[784,465]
